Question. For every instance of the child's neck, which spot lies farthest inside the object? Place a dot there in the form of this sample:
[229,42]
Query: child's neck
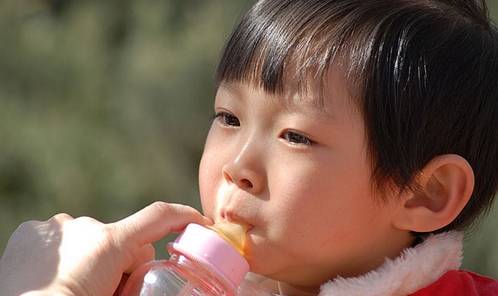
[281,288]
[288,290]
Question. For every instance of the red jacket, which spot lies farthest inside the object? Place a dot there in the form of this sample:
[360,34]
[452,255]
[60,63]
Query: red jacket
[429,268]
[461,283]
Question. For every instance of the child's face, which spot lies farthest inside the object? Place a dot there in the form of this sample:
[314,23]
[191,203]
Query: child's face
[310,206]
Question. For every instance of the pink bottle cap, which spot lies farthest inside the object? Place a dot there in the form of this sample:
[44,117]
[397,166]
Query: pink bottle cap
[208,248]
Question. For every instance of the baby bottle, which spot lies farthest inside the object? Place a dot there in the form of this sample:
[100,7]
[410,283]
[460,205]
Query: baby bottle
[204,261]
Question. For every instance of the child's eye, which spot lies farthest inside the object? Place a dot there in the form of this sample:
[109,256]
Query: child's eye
[296,138]
[227,119]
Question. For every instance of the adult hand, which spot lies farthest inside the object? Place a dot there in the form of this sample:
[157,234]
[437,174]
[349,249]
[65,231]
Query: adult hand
[82,256]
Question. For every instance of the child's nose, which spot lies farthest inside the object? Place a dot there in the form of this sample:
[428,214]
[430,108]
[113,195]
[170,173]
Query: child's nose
[245,171]
[242,182]
[244,178]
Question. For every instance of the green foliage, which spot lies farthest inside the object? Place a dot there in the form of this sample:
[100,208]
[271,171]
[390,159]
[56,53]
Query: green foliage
[104,104]
[104,107]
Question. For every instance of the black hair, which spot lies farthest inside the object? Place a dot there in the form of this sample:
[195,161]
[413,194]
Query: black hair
[424,74]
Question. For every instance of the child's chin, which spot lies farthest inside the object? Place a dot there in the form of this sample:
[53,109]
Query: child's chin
[262,265]
[260,253]
[261,270]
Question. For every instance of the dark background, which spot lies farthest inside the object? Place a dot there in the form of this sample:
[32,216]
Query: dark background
[104,107]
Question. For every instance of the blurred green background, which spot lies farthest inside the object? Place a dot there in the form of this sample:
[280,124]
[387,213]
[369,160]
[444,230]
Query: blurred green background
[104,107]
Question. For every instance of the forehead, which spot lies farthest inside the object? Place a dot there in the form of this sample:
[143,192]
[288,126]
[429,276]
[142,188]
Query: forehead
[326,101]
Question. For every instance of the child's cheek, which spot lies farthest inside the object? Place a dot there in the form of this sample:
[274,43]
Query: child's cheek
[206,190]
[213,193]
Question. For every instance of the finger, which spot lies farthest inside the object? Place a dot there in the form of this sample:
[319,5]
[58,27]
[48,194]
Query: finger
[61,217]
[156,221]
[144,255]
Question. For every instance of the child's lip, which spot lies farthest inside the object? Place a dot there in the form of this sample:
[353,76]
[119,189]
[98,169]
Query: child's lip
[233,217]
[235,207]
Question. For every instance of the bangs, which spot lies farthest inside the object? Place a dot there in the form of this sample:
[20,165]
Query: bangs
[287,47]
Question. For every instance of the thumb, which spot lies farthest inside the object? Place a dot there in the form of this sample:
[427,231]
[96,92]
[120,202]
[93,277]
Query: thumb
[156,221]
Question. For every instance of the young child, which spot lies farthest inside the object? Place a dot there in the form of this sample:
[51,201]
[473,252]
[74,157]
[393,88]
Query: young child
[356,139]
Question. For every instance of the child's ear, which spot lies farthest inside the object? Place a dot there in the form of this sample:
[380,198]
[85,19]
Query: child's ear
[446,184]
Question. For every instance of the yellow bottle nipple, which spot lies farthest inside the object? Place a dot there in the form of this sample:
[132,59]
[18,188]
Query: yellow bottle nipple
[235,234]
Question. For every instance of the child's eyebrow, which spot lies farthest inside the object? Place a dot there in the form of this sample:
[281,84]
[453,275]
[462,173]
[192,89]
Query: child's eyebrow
[295,103]
[232,88]
[310,108]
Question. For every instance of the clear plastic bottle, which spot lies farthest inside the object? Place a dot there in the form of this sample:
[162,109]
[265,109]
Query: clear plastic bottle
[203,262]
